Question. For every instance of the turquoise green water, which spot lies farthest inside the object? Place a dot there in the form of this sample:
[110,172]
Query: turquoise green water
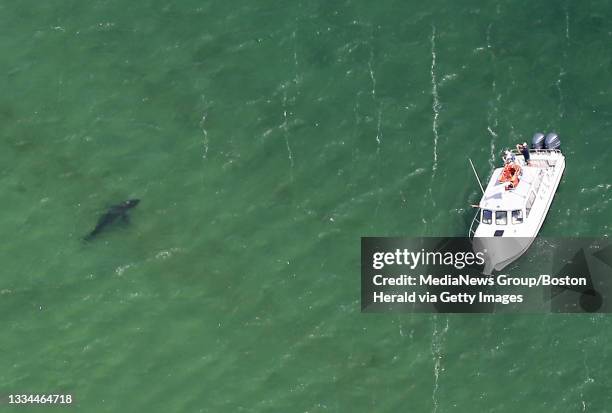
[264,139]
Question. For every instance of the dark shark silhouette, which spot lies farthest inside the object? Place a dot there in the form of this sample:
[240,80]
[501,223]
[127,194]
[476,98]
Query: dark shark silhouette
[114,213]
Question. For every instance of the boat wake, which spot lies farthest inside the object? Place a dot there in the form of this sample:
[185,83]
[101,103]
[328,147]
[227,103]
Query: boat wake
[436,114]
[567,33]
[205,133]
[493,124]
[437,340]
[372,76]
[561,69]
[373,93]
[378,129]
[285,128]
[436,102]
[205,139]
[492,115]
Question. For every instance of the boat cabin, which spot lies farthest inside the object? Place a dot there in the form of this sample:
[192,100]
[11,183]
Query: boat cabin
[508,200]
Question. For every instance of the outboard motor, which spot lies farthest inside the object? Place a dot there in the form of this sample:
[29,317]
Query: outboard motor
[552,141]
[537,142]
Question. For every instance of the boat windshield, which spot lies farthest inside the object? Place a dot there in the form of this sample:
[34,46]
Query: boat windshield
[487,216]
[501,217]
[517,216]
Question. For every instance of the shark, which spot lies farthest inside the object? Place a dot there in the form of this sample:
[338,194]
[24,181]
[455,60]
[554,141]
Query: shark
[113,214]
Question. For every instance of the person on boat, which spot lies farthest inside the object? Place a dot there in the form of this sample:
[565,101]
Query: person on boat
[510,173]
[524,150]
[509,157]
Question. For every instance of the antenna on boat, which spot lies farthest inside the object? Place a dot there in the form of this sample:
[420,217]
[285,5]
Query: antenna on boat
[477,178]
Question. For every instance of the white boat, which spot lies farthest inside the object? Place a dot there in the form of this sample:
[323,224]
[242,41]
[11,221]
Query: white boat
[515,202]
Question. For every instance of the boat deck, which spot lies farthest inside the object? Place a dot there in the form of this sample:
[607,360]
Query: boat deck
[540,176]
[539,163]
[539,158]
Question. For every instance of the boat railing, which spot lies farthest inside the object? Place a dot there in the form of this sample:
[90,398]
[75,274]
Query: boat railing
[474,224]
[542,151]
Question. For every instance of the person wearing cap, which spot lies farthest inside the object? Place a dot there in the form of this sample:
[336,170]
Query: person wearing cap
[524,150]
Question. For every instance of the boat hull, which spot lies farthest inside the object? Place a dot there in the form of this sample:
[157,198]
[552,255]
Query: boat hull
[500,252]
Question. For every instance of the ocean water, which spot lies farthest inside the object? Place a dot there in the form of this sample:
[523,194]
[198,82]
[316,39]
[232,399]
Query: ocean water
[264,139]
